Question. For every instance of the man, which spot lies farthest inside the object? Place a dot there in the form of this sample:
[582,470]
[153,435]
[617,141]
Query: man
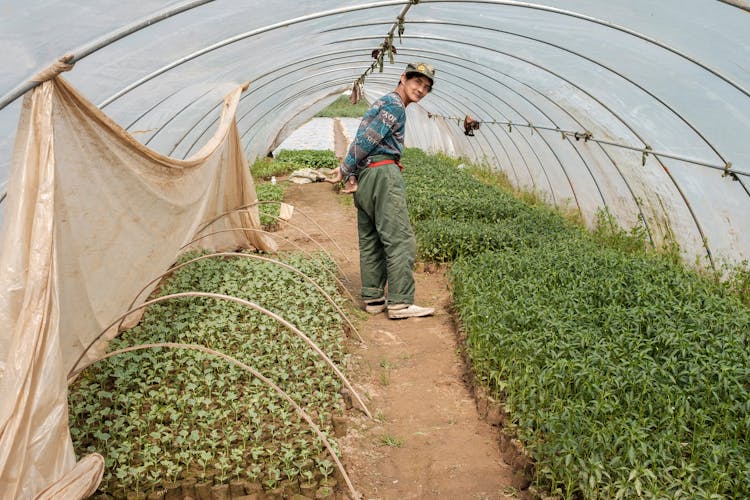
[372,171]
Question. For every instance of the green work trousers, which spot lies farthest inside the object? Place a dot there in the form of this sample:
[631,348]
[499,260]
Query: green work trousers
[387,247]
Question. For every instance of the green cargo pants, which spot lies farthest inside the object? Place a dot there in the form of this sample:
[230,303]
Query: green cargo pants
[387,247]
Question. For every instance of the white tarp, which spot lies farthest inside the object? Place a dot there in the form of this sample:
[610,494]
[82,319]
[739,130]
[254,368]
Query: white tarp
[91,217]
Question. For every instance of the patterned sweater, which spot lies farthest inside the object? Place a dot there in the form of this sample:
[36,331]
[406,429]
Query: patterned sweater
[381,132]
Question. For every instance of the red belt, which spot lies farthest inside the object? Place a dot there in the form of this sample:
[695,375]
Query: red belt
[386,162]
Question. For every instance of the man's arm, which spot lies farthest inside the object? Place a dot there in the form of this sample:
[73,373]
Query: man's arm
[371,133]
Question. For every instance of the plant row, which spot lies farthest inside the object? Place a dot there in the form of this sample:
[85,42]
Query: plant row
[289,160]
[286,161]
[161,416]
[625,374]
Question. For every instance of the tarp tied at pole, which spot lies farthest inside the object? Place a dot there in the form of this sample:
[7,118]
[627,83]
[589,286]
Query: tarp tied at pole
[92,215]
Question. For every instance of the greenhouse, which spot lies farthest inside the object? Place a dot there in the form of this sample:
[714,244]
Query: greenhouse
[180,313]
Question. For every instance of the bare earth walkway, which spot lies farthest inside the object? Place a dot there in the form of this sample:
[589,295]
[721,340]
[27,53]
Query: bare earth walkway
[427,439]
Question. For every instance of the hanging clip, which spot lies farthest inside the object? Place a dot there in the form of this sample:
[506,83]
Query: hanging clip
[645,154]
[728,172]
[510,127]
[470,125]
[400,28]
[588,135]
[562,134]
[531,127]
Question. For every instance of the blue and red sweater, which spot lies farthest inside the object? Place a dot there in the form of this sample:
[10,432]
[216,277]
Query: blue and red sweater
[381,132]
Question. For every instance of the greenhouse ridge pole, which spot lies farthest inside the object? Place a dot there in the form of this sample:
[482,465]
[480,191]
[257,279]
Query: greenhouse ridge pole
[664,168]
[112,37]
[539,108]
[587,136]
[597,63]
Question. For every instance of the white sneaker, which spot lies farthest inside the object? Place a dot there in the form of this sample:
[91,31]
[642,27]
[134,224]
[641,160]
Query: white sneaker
[401,311]
[375,306]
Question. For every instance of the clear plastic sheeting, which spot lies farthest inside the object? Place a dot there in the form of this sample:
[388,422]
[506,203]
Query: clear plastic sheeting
[665,77]
[638,107]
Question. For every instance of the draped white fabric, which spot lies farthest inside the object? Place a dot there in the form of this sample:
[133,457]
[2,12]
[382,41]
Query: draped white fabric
[92,217]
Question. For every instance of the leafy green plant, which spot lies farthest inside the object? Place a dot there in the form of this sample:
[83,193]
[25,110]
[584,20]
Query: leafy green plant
[178,414]
[265,168]
[610,233]
[308,158]
[624,372]
[391,440]
[343,108]
[269,212]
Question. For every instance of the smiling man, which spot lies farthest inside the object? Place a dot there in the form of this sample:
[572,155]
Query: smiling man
[372,171]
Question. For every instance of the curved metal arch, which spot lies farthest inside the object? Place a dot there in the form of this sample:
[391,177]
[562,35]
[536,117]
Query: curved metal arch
[102,42]
[531,176]
[579,55]
[324,85]
[607,24]
[526,141]
[390,80]
[510,164]
[255,203]
[240,301]
[255,373]
[321,85]
[248,34]
[532,149]
[293,226]
[253,88]
[682,194]
[583,160]
[162,126]
[153,107]
[697,223]
[572,117]
[673,180]
[515,144]
[552,102]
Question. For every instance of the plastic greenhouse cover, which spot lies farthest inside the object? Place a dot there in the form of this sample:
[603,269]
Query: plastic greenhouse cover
[570,92]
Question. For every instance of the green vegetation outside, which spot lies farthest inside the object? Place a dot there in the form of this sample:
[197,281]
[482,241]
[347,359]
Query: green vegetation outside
[342,108]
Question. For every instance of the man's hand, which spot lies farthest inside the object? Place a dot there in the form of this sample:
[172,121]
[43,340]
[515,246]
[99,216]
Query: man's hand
[351,181]
[351,185]
[337,177]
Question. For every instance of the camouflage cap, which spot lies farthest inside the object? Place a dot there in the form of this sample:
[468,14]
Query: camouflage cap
[423,69]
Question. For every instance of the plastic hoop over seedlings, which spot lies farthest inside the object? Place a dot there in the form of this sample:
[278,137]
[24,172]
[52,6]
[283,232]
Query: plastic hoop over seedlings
[244,302]
[255,373]
[256,257]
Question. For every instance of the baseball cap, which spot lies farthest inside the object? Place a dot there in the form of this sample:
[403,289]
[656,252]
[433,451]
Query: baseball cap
[423,69]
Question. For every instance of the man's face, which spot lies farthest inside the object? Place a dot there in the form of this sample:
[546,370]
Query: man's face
[416,87]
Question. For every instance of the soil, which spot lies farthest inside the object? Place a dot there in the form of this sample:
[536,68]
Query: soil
[427,439]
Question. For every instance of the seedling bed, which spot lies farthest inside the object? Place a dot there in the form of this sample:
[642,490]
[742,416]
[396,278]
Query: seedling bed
[183,422]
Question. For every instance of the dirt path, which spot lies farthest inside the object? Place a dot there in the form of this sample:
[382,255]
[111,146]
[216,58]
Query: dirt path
[427,439]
